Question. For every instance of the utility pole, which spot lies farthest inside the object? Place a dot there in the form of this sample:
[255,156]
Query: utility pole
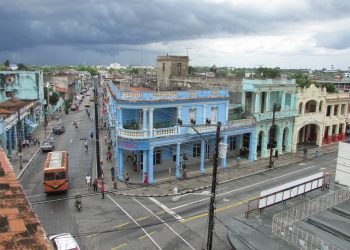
[213,190]
[97,133]
[271,163]
[19,127]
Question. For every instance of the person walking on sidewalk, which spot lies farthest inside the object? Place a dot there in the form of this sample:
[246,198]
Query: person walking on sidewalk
[276,153]
[112,173]
[95,184]
[317,155]
[88,181]
[305,154]
[127,178]
[103,189]
[106,139]
[145,181]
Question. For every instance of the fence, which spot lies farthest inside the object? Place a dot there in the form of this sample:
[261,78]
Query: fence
[282,223]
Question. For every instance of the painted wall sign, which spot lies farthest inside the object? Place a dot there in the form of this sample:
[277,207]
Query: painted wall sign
[132,145]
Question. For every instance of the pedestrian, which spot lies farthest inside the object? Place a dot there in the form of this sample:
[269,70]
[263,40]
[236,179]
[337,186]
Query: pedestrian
[106,139]
[145,181]
[112,173]
[95,185]
[127,178]
[184,172]
[88,181]
[317,155]
[38,142]
[91,134]
[103,189]
[91,119]
[276,153]
[305,154]
[27,143]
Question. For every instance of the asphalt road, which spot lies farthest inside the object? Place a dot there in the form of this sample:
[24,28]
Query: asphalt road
[119,222]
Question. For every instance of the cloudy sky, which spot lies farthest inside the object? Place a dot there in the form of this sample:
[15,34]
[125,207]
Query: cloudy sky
[238,33]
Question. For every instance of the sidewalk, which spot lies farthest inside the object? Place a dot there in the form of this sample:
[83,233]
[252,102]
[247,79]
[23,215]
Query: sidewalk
[195,181]
[28,153]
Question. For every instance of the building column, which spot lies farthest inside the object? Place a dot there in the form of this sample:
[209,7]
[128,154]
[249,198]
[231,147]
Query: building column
[201,167]
[344,131]
[330,130]
[144,163]
[119,153]
[120,118]
[14,137]
[144,118]
[150,164]
[283,103]
[15,141]
[279,139]
[151,122]
[243,101]
[224,160]
[288,139]
[178,159]
[336,133]
[293,101]
[257,102]
[238,142]
[264,144]
[9,141]
[332,110]
[267,101]
[204,113]
[252,146]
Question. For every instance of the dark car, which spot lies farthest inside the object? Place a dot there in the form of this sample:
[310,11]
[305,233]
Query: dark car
[59,129]
[47,145]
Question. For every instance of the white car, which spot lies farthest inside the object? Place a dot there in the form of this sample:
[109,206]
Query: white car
[64,241]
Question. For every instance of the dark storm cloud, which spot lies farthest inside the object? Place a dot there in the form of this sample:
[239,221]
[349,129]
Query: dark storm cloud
[107,25]
[27,23]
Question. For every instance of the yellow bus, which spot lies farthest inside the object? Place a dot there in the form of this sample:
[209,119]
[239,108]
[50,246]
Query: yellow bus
[56,172]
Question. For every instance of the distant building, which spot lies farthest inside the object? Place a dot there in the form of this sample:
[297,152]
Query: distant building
[168,66]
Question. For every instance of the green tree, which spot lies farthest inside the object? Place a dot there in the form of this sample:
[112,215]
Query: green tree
[7,63]
[191,70]
[302,80]
[21,66]
[265,72]
[54,98]
[329,87]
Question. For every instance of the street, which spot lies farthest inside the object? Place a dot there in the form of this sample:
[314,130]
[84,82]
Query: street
[122,222]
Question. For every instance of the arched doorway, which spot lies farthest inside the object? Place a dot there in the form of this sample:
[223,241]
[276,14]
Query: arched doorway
[285,139]
[310,107]
[308,135]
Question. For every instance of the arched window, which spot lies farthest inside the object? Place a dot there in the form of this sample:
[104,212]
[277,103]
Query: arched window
[310,106]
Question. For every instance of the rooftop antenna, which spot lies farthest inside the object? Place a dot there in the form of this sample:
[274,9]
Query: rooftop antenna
[187,49]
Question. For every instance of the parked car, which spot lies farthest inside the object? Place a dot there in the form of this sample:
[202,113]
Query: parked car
[73,107]
[87,103]
[59,129]
[47,145]
[64,241]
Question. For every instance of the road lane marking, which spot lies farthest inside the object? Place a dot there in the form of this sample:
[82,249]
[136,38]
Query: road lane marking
[142,237]
[166,224]
[217,210]
[155,243]
[166,209]
[93,235]
[120,246]
[71,140]
[121,225]
[238,189]
[142,218]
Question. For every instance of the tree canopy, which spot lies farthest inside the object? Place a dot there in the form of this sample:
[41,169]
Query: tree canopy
[268,72]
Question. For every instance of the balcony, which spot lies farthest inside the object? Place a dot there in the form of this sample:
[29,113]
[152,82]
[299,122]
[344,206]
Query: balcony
[278,115]
[240,123]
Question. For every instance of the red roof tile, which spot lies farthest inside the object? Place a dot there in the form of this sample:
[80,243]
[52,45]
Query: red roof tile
[19,227]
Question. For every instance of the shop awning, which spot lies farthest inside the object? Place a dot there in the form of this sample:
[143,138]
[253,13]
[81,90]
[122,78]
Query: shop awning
[30,123]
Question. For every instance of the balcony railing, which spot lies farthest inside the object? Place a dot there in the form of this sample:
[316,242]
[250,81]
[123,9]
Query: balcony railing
[240,123]
[165,131]
[128,133]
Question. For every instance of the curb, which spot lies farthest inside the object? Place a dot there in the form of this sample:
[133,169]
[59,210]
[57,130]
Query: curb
[208,186]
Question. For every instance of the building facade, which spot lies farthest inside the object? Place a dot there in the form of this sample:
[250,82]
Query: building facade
[259,97]
[158,131]
[168,66]
[336,113]
[25,85]
[309,124]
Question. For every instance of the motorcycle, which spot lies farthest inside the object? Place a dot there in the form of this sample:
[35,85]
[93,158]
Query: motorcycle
[78,204]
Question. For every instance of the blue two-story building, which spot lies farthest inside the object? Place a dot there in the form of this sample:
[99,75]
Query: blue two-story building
[167,130]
